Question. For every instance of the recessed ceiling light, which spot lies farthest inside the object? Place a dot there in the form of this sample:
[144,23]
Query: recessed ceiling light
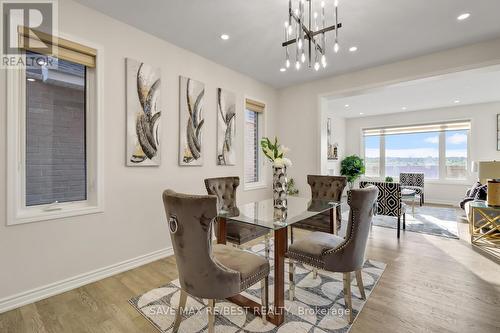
[347,105]
[463,16]
[282,69]
[361,113]
[404,108]
[456,101]
[31,79]
[224,37]
[353,49]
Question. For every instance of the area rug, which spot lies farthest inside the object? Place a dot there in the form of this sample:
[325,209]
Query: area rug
[318,306]
[432,220]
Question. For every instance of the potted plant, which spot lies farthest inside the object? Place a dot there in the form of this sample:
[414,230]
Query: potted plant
[352,167]
[389,179]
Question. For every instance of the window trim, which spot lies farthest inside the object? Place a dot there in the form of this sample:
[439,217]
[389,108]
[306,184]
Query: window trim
[17,211]
[262,121]
[443,177]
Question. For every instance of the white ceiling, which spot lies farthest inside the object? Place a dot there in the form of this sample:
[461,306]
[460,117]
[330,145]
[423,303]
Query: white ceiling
[469,87]
[384,30]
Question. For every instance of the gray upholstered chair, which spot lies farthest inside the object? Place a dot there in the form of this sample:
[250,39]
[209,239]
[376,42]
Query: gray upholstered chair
[336,254]
[323,188]
[413,181]
[206,271]
[389,202]
[236,233]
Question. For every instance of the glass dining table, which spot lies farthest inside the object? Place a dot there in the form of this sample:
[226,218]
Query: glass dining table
[266,215]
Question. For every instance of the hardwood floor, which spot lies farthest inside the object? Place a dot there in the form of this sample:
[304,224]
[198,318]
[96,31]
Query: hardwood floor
[431,284]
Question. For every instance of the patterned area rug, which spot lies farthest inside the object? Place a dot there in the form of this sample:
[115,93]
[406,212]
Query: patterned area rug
[318,306]
[432,220]
[438,221]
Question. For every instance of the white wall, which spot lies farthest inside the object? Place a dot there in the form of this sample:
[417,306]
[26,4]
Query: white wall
[482,140]
[299,111]
[133,224]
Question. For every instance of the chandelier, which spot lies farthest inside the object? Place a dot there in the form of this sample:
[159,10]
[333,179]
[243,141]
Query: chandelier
[305,26]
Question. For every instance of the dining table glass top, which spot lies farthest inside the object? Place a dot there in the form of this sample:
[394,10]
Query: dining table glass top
[263,213]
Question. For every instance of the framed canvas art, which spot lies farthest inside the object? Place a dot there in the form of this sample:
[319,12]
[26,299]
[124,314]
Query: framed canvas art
[191,122]
[143,114]
[226,127]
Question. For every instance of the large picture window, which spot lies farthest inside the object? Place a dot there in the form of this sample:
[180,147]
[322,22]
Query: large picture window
[440,151]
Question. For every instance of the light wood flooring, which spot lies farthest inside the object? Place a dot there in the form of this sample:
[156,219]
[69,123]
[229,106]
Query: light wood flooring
[431,284]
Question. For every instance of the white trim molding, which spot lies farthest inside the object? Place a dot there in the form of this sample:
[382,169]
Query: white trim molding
[36,294]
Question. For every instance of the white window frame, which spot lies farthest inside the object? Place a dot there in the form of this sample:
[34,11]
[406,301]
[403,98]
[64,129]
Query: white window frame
[17,211]
[443,177]
[261,124]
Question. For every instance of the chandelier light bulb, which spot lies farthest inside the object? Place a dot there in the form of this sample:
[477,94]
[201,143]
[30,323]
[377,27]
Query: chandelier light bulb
[297,65]
[287,63]
[336,3]
[300,44]
[303,57]
[336,47]
[323,60]
[316,66]
[286,24]
[322,4]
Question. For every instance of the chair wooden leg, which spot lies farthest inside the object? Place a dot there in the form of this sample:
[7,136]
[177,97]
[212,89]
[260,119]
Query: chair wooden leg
[399,225]
[180,309]
[315,273]
[404,221]
[359,282]
[267,245]
[291,274]
[347,295]
[264,296]
[211,316]
[291,235]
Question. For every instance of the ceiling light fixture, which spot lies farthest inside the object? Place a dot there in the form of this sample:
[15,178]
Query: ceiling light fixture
[224,37]
[403,108]
[456,101]
[353,49]
[347,105]
[361,113]
[31,79]
[282,69]
[463,16]
[304,26]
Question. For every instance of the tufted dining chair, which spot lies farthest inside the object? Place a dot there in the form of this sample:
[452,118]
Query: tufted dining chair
[336,254]
[224,188]
[206,271]
[322,188]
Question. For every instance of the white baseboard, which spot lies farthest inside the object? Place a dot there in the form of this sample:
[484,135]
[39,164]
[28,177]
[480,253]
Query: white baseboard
[33,295]
[441,202]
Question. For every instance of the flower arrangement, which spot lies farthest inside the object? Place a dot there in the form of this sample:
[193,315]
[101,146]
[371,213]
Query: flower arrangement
[275,152]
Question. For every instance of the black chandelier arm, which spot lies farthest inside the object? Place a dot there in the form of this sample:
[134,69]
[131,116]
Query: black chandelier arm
[311,34]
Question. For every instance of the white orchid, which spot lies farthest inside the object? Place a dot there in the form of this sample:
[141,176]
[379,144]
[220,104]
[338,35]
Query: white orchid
[287,162]
[284,149]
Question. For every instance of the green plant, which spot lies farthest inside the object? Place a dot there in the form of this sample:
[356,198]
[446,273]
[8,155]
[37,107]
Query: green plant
[352,167]
[292,189]
[389,179]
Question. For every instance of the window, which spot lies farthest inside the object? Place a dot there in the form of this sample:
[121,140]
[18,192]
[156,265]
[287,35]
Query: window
[437,150]
[253,132]
[372,156]
[53,135]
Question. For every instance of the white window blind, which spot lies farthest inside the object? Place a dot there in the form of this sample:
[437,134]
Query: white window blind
[253,113]
[451,126]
